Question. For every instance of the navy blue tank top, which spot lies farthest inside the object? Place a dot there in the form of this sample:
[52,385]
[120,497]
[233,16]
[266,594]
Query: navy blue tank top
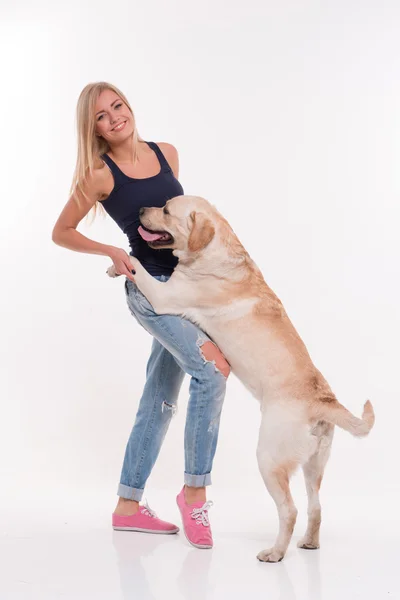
[129,195]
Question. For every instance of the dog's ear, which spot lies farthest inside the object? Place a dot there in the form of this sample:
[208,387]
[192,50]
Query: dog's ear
[202,232]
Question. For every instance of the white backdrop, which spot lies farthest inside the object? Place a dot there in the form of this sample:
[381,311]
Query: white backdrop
[289,110]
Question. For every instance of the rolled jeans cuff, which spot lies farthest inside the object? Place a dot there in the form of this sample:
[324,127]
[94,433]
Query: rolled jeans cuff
[197,480]
[124,491]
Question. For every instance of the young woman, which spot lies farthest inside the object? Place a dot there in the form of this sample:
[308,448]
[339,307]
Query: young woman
[119,171]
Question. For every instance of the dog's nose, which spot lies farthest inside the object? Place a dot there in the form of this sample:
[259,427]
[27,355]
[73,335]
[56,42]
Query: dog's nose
[141,211]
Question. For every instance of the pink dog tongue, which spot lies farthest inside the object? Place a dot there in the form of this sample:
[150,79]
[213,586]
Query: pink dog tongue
[147,236]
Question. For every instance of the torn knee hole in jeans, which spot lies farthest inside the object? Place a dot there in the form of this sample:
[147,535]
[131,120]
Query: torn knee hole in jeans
[167,406]
[211,354]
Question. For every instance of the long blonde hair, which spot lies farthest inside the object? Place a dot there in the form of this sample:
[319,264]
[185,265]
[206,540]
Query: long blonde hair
[91,146]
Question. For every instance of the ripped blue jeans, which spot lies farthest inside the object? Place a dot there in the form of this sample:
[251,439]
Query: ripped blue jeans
[176,350]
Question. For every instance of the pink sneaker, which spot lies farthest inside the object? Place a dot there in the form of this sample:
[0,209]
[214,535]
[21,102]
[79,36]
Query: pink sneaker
[196,524]
[144,520]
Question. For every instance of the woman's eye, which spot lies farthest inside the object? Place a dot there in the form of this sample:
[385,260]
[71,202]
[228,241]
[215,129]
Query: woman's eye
[116,106]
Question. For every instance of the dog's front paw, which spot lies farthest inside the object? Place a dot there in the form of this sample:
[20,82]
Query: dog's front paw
[136,265]
[272,555]
[112,272]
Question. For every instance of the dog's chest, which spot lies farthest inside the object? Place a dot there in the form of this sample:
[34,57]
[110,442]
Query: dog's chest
[222,320]
[224,314]
[228,327]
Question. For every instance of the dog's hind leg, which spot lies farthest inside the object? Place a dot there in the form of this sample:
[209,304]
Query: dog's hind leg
[276,478]
[313,472]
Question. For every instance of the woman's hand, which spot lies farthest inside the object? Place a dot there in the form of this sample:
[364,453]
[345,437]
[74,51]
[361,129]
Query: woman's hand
[122,263]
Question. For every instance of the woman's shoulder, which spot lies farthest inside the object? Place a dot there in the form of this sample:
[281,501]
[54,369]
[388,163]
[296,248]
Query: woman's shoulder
[171,155]
[166,146]
[100,179]
[167,149]
[98,163]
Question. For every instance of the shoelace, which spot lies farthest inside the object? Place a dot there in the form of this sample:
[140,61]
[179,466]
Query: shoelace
[147,510]
[200,515]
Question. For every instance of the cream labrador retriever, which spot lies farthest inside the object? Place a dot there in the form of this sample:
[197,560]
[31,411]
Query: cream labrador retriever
[219,287]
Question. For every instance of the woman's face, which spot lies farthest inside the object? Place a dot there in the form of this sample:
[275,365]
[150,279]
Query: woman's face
[114,121]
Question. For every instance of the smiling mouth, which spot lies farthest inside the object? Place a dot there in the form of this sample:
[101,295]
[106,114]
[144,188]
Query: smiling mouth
[119,127]
[155,238]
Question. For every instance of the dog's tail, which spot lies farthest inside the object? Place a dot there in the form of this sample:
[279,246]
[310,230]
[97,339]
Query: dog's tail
[337,414]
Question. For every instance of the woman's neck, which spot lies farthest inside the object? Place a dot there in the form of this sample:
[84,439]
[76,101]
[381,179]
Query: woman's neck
[122,153]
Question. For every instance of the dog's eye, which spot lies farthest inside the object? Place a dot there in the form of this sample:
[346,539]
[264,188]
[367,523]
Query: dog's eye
[165,210]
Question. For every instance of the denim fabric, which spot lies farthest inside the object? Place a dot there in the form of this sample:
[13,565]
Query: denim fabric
[175,351]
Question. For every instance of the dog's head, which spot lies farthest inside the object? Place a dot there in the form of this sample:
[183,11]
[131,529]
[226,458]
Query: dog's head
[185,224]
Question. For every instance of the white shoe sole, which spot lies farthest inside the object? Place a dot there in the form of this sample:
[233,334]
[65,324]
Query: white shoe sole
[139,530]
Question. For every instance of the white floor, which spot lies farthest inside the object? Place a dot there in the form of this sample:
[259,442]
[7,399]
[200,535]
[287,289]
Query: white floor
[71,552]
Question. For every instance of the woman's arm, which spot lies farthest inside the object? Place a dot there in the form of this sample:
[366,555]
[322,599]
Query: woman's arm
[64,232]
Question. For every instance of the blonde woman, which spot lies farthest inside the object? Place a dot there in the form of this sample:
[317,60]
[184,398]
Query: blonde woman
[118,170]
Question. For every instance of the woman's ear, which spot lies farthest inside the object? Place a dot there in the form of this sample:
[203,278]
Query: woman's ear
[202,232]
